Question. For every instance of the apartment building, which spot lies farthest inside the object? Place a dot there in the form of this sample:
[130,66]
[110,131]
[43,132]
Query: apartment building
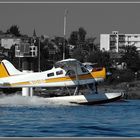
[116,42]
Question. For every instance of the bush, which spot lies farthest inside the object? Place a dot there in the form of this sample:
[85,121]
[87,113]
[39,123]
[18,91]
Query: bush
[121,76]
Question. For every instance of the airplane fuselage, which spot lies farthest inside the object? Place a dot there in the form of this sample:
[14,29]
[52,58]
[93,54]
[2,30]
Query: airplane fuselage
[68,73]
[56,77]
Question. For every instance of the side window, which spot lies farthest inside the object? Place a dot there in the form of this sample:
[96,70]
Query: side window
[89,67]
[59,72]
[70,73]
[84,69]
[50,74]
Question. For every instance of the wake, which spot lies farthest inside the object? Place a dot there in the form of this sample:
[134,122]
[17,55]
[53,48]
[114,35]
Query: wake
[18,100]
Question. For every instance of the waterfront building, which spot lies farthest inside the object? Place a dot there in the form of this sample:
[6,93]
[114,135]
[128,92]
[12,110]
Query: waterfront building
[116,42]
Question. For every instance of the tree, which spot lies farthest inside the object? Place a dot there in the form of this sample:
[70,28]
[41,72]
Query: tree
[82,34]
[91,45]
[78,54]
[99,57]
[73,40]
[14,29]
[77,36]
[131,58]
[86,46]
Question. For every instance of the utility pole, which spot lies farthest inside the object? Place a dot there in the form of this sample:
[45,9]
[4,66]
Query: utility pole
[38,54]
[65,22]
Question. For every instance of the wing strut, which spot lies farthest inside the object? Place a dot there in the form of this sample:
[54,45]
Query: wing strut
[77,80]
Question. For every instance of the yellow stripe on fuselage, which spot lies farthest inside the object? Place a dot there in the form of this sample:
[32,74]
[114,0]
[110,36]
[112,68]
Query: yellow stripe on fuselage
[97,74]
[51,80]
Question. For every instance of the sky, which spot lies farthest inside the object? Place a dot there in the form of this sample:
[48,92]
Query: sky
[48,18]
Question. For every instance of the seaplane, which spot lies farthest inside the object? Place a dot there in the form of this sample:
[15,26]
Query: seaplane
[68,73]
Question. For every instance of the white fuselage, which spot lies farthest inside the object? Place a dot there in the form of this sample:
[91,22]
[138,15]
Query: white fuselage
[68,72]
[50,78]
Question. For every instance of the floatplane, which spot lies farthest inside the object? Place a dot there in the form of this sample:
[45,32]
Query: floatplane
[65,73]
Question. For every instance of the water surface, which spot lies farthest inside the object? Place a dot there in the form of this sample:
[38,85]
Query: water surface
[34,117]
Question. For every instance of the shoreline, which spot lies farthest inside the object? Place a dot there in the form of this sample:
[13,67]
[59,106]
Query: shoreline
[130,89]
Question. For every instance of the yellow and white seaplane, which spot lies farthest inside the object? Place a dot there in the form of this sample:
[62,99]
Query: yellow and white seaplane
[65,73]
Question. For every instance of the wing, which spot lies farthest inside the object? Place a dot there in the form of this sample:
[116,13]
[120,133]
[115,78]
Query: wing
[66,63]
[72,64]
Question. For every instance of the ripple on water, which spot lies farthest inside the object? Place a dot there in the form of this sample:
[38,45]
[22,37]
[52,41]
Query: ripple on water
[34,117]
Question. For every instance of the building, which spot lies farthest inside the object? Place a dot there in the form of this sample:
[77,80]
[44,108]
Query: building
[8,42]
[116,42]
[25,50]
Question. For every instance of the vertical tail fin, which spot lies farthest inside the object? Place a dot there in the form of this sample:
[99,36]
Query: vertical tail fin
[7,69]
[3,71]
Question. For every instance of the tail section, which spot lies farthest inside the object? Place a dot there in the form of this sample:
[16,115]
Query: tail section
[99,74]
[7,69]
[3,71]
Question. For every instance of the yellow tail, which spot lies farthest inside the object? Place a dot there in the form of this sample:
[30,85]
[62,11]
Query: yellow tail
[7,69]
[3,71]
[99,73]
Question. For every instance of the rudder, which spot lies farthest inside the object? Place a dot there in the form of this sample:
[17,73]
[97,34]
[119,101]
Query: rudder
[3,71]
[7,69]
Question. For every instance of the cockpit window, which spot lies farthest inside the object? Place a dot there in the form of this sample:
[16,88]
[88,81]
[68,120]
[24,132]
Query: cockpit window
[59,72]
[70,73]
[50,74]
[84,69]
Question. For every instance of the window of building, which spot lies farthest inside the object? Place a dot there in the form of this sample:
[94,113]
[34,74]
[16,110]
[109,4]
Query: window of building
[33,53]
[112,43]
[59,72]
[113,38]
[50,74]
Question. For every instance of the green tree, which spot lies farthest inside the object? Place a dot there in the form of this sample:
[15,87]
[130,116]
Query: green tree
[131,58]
[14,29]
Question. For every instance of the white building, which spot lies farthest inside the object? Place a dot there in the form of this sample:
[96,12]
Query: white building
[8,42]
[116,42]
[25,50]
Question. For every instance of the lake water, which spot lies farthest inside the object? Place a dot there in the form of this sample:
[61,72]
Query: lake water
[33,117]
